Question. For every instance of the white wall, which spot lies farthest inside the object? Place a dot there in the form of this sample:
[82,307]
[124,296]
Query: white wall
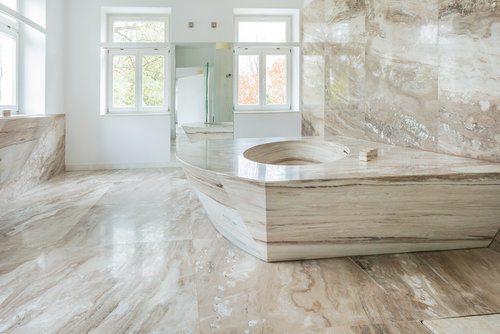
[267,124]
[54,90]
[32,59]
[108,141]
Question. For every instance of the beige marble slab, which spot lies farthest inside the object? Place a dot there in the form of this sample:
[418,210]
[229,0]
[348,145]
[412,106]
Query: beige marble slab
[495,245]
[141,288]
[374,294]
[438,284]
[469,78]
[422,74]
[297,207]
[82,205]
[118,274]
[486,324]
[31,152]
[413,327]
[227,157]
[208,131]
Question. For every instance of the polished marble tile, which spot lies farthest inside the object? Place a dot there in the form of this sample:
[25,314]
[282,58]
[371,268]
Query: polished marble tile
[314,27]
[100,263]
[140,287]
[435,287]
[235,291]
[345,112]
[117,224]
[487,324]
[313,92]
[425,73]
[413,327]
[159,186]
[473,274]
[469,78]
[401,73]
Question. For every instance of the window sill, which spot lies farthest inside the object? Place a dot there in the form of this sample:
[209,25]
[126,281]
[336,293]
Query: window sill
[266,111]
[136,114]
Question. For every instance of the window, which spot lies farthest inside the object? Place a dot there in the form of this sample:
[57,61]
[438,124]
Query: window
[263,29]
[263,78]
[137,65]
[138,29]
[8,59]
[263,68]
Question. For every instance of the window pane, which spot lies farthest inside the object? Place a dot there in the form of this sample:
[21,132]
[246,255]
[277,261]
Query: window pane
[7,70]
[12,4]
[248,80]
[153,80]
[130,31]
[262,32]
[276,79]
[124,81]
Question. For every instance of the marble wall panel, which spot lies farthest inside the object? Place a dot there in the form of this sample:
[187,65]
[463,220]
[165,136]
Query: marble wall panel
[31,152]
[345,111]
[314,28]
[469,78]
[401,73]
[314,35]
[418,73]
[313,94]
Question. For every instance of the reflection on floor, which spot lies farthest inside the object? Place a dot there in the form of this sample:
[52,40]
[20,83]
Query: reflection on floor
[133,252]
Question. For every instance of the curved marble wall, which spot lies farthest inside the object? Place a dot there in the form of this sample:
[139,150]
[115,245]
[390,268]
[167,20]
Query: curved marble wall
[418,73]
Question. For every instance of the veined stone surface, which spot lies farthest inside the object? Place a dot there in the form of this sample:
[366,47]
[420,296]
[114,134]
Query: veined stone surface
[133,251]
[31,152]
[208,131]
[404,201]
[422,74]
[487,324]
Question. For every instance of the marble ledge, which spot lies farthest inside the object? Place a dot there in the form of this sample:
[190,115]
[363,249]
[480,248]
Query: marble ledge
[227,157]
[25,116]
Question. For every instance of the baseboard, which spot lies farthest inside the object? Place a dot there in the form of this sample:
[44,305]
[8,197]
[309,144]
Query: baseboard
[91,167]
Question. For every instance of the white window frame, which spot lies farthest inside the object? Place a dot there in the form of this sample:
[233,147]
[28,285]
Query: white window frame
[263,53]
[10,28]
[139,50]
[262,49]
[113,18]
[267,18]
[139,93]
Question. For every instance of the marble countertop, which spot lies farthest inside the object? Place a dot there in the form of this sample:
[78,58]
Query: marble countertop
[222,127]
[226,157]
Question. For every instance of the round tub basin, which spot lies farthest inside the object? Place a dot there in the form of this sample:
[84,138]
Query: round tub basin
[299,152]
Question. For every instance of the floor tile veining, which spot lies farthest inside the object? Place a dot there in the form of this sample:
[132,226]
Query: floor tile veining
[134,252]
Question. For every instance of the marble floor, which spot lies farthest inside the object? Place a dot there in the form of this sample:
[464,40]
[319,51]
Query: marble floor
[133,252]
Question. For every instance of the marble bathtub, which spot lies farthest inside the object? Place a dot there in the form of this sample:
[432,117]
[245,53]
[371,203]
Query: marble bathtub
[208,131]
[309,205]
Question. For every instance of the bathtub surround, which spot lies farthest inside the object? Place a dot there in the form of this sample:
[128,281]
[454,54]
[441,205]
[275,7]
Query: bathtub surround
[495,245]
[309,199]
[31,152]
[423,74]
[208,131]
